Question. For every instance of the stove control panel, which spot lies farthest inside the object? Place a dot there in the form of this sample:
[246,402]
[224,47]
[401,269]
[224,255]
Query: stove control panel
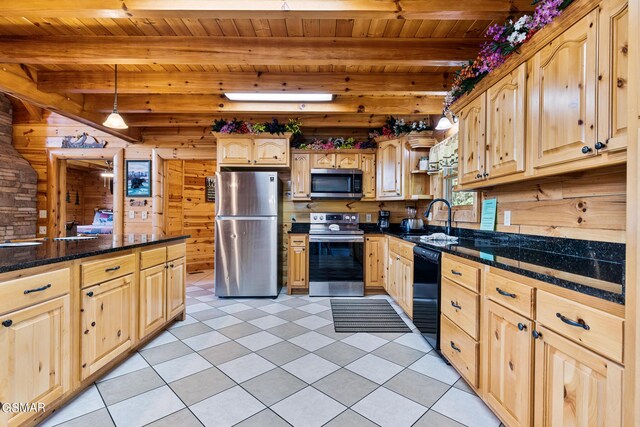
[335,218]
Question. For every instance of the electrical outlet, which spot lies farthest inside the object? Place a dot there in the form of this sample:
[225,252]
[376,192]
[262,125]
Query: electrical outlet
[132,214]
[144,214]
[368,217]
[507,217]
[42,213]
[42,229]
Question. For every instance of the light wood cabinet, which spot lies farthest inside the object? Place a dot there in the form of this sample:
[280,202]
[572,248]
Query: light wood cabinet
[405,289]
[613,76]
[508,365]
[573,386]
[505,128]
[298,263]
[472,141]
[368,167]
[236,151]
[374,270]
[152,297]
[399,278]
[347,161]
[107,323]
[176,285]
[564,76]
[390,179]
[35,362]
[270,152]
[300,177]
[239,150]
[323,161]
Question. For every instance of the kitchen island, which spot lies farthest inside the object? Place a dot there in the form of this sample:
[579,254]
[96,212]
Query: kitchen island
[71,310]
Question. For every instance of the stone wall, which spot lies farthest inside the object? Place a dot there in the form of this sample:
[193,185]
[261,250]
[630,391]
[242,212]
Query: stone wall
[18,184]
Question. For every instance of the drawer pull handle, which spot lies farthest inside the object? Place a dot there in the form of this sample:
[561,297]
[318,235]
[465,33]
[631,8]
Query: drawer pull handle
[579,324]
[7,323]
[457,273]
[505,293]
[456,306]
[90,294]
[522,327]
[40,289]
[453,346]
[110,269]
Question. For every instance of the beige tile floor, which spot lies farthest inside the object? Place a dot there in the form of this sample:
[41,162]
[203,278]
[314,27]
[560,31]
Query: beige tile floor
[275,362]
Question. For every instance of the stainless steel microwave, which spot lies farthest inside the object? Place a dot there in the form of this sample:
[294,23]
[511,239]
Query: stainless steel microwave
[336,184]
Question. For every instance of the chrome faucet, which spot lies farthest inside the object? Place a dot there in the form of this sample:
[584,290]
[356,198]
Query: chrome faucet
[446,202]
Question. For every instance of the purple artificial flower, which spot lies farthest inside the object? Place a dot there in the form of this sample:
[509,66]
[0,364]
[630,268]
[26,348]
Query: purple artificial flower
[495,31]
[545,12]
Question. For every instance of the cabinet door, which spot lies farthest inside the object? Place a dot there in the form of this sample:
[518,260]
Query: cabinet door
[348,161]
[392,274]
[107,323]
[270,151]
[235,151]
[573,386]
[374,268]
[614,74]
[506,124]
[35,362]
[508,367]
[152,299]
[300,177]
[176,279]
[389,170]
[562,99]
[297,275]
[407,286]
[323,161]
[368,166]
[472,144]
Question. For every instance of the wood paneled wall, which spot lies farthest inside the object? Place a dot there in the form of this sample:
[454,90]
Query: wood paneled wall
[187,211]
[75,190]
[92,195]
[588,205]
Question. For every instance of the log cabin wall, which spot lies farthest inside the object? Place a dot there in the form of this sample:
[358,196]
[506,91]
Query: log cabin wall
[588,205]
[88,189]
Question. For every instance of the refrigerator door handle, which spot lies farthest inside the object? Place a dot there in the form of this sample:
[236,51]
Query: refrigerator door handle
[246,218]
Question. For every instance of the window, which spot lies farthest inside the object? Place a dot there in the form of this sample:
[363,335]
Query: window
[457,198]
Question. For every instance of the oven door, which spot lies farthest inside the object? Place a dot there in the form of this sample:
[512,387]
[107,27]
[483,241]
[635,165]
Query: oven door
[336,265]
[336,184]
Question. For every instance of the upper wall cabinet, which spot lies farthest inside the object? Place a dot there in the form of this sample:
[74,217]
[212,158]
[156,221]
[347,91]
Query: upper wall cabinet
[368,166]
[300,177]
[252,150]
[562,102]
[472,140]
[506,125]
[390,170]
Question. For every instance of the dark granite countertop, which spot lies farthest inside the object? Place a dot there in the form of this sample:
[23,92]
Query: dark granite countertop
[53,251]
[588,267]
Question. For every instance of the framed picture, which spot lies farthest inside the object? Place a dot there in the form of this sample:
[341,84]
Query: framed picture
[138,178]
[210,189]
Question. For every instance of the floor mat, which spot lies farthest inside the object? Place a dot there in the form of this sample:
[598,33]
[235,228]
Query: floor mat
[366,315]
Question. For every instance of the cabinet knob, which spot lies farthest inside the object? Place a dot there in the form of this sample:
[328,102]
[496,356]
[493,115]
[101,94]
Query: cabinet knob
[485,175]
[478,176]
[248,161]
[7,323]
[536,334]
[600,145]
[522,327]
[586,149]
[90,294]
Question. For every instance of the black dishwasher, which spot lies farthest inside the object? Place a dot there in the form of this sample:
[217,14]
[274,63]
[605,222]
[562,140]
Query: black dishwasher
[426,294]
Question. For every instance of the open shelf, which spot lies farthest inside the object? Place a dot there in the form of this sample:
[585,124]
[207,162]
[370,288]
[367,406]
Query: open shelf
[421,196]
[420,171]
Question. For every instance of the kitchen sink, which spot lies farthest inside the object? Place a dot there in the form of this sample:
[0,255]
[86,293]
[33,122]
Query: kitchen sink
[19,244]
[76,238]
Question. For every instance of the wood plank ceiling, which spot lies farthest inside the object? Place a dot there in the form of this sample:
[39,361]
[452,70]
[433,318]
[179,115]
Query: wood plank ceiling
[176,59]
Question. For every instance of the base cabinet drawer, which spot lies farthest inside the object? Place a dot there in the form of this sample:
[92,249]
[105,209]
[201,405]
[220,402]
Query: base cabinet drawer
[42,374]
[460,349]
[461,306]
[509,293]
[153,257]
[30,290]
[461,272]
[94,272]
[601,332]
[107,322]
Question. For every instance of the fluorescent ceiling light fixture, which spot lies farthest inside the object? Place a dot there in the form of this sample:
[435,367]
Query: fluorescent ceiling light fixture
[279,97]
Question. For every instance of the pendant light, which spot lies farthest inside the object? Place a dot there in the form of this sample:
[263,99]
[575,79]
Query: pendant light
[115,121]
[444,123]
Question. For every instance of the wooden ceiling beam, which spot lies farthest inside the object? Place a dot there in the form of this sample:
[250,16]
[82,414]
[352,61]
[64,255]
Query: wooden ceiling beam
[215,83]
[308,120]
[217,105]
[15,82]
[266,9]
[237,50]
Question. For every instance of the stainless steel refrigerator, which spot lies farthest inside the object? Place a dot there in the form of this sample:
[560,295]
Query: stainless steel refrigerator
[247,234]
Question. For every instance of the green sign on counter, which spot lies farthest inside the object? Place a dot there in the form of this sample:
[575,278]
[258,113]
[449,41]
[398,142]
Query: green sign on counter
[489,212]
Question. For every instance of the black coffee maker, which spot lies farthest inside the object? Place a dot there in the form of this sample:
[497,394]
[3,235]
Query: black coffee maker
[383,220]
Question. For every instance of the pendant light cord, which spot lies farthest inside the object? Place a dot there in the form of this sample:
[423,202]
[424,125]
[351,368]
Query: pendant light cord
[115,98]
